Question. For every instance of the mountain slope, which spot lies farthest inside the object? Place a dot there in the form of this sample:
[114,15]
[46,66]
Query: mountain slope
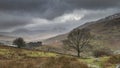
[56,39]
[106,31]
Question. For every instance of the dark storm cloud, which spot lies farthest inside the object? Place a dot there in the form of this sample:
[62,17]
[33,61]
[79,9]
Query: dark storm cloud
[94,4]
[11,24]
[42,8]
[8,21]
[51,8]
[17,14]
[22,5]
[42,5]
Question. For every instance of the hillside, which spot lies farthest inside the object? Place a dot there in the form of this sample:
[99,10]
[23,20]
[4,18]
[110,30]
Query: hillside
[106,31]
[11,57]
[56,40]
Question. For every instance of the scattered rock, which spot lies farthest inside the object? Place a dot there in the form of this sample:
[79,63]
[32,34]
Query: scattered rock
[93,66]
[97,60]
[118,66]
[117,52]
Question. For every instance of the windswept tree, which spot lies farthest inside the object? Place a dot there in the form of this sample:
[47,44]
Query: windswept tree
[78,40]
[19,42]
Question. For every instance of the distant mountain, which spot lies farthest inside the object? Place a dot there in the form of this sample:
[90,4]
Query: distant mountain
[55,40]
[106,31]
[6,38]
[21,31]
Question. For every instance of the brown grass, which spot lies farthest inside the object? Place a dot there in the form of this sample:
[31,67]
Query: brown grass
[51,62]
[18,58]
[63,62]
[102,52]
[114,59]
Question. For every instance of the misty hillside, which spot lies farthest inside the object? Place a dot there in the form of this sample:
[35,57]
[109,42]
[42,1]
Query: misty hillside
[6,38]
[56,39]
[106,31]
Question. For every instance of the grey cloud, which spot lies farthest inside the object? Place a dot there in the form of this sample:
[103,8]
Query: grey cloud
[41,8]
[46,29]
[98,14]
[94,4]
[9,21]
[16,14]
[22,5]
[60,4]
[51,8]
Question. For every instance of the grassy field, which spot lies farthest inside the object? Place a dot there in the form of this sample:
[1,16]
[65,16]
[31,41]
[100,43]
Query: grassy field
[11,57]
[10,52]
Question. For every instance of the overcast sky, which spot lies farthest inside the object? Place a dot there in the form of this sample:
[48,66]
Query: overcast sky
[46,18]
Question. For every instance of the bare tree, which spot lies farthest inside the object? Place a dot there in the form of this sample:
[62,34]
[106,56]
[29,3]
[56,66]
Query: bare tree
[78,39]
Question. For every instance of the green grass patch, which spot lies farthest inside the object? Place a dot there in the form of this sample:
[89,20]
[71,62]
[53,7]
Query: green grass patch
[95,61]
[40,54]
[17,53]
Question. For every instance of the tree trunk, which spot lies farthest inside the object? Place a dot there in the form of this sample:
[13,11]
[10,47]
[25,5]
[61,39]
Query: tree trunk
[78,53]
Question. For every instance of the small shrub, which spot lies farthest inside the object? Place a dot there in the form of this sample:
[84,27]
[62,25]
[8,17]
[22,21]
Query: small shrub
[102,52]
[63,62]
[19,42]
[114,59]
